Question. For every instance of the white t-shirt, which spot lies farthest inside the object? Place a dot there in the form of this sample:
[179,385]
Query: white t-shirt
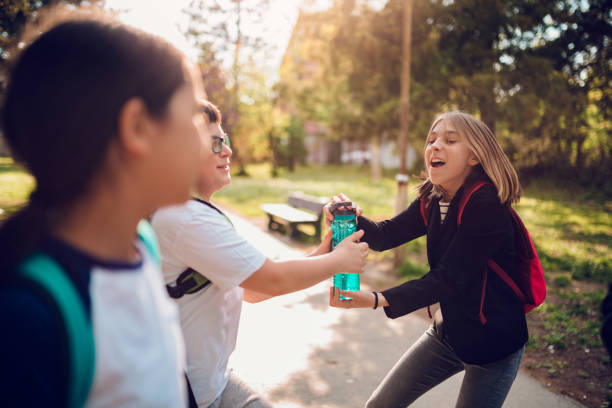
[197,236]
[140,357]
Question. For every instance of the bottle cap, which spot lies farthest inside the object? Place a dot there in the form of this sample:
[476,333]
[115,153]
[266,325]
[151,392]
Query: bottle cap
[335,210]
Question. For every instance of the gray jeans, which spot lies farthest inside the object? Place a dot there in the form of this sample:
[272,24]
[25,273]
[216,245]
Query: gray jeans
[432,360]
[238,394]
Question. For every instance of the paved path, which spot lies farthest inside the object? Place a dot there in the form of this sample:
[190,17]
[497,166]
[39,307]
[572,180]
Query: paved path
[299,352]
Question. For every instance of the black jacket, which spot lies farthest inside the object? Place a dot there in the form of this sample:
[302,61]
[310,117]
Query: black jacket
[457,259]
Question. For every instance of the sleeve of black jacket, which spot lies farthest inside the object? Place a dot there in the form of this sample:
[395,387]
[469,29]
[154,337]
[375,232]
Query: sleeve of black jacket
[606,328]
[389,234]
[485,225]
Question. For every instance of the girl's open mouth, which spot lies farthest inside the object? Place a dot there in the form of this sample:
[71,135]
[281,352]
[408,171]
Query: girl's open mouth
[437,163]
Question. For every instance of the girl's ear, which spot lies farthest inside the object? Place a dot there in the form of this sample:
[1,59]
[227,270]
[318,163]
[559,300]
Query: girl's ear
[135,127]
[473,161]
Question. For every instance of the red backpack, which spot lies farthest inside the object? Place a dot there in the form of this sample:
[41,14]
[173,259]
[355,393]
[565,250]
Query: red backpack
[528,282]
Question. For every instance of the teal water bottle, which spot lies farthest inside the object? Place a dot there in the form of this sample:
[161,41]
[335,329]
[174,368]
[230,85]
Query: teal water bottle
[343,225]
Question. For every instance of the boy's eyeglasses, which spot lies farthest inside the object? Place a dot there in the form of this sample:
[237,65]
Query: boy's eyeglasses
[218,141]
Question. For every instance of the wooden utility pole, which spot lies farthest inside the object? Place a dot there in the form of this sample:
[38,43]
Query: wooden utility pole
[402,176]
[236,90]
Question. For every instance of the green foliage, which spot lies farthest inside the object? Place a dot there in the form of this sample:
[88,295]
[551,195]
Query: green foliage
[571,231]
[14,14]
[537,72]
[246,194]
[589,270]
[13,17]
[562,281]
[533,343]
[571,321]
[553,367]
[288,145]
[241,92]
[412,270]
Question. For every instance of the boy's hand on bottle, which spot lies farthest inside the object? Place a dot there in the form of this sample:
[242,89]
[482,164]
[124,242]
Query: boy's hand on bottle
[338,199]
[352,253]
[359,298]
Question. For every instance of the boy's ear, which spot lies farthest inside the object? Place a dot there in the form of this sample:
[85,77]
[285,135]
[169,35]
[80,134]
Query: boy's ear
[134,127]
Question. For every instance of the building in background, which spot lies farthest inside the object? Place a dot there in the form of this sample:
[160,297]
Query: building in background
[301,93]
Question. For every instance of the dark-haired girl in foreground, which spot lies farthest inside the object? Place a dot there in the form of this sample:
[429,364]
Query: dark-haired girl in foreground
[105,118]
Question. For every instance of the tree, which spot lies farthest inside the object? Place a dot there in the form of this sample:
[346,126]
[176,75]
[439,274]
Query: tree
[217,28]
[539,73]
[555,99]
[13,17]
[402,176]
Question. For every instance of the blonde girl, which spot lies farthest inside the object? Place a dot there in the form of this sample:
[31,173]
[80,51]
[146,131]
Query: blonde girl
[460,150]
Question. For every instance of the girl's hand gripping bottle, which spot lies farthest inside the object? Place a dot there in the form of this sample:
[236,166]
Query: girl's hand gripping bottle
[343,225]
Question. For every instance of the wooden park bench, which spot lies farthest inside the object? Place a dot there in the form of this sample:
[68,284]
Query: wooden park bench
[293,214]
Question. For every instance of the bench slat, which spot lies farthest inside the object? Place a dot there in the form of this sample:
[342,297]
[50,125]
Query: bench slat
[314,204]
[289,213]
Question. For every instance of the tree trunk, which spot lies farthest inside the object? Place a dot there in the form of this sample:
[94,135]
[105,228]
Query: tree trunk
[375,158]
[237,158]
[236,73]
[291,163]
[486,100]
[273,154]
[402,177]
[579,154]
[334,152]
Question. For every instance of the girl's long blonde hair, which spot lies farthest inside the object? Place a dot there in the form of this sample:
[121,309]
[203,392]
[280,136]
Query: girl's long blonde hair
[493,165]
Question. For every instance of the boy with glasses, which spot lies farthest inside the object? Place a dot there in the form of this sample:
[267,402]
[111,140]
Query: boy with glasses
[210,269]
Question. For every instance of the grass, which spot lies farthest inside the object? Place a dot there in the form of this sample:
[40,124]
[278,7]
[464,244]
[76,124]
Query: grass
[572,231]
[246,194]
[570,321]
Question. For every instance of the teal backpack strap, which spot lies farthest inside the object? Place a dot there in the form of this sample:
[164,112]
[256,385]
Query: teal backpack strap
[147,235]
[47,273]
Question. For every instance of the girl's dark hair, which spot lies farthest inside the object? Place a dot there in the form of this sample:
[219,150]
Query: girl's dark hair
[61,109]
[212,112]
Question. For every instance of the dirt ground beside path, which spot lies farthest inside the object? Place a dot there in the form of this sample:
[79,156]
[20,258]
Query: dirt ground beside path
[582,373]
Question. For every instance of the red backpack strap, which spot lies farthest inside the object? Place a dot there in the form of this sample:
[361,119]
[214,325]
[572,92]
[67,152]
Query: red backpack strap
[483,292]
[469,190]
[507,279]
[425,209]
[425,205]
